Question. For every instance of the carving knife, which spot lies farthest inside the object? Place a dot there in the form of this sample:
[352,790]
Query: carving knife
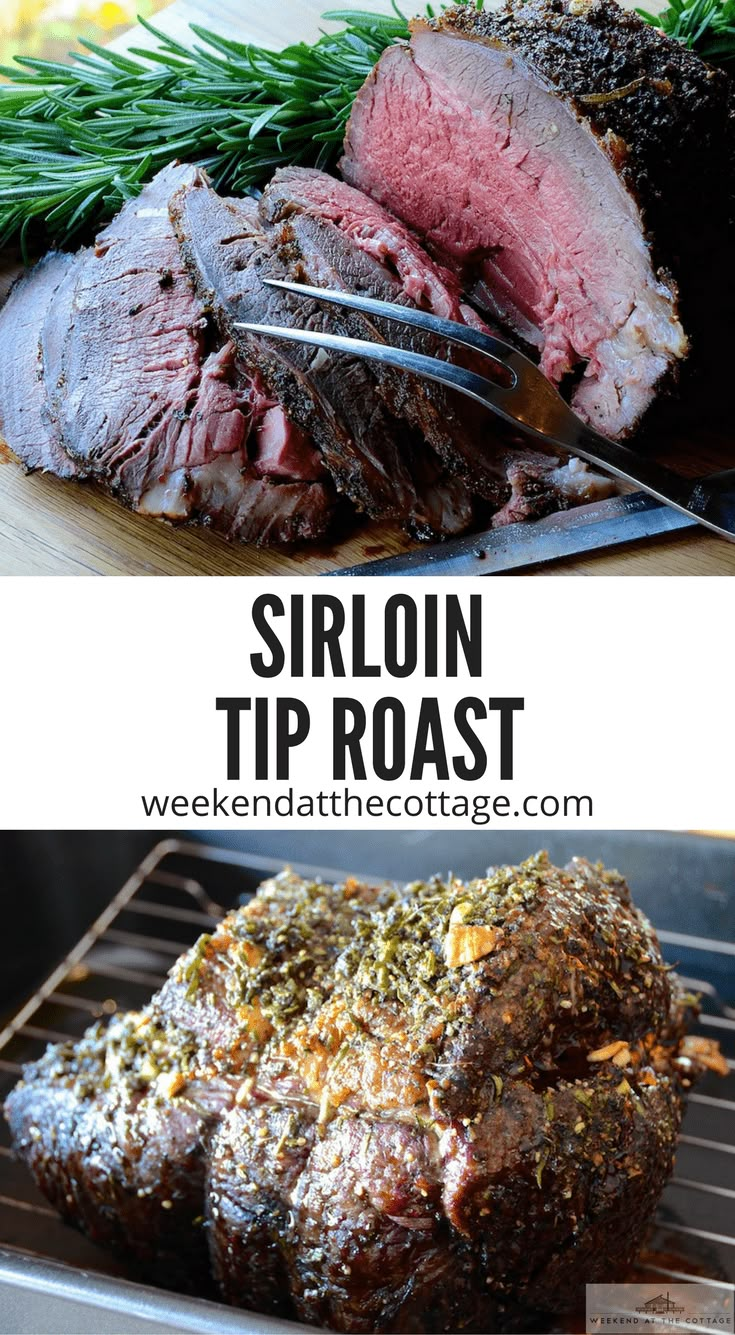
[587,528]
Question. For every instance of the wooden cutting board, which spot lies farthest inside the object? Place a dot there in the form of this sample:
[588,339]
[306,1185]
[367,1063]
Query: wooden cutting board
[48,527]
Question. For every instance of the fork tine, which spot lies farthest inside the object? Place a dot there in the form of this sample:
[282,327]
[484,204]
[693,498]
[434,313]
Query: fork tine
[714,507]
[487,344]
[474,386]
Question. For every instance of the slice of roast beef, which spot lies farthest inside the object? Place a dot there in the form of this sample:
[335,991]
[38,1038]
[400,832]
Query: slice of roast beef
[383,259]
[348,242]
[375,232]
[130,357]
[436,435]
[147,399]
[566,160]
[23,422]
[375,458]
[56,322]
[223,464]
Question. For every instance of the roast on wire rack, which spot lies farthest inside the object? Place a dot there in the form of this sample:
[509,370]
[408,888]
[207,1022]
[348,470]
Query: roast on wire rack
[182,889]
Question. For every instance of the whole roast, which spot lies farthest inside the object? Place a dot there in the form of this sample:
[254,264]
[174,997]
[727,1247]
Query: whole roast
[424,1108]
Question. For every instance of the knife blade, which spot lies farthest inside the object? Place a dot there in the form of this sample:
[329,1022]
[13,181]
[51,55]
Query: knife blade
[587,528]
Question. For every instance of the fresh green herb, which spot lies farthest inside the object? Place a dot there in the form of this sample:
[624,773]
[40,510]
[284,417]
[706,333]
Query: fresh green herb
[705,26]
[78,140]
[398,954]
[193,966]
[298,942]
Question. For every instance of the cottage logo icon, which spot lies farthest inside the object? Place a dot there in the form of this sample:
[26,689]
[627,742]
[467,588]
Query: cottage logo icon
[649,1310]
[661,1306]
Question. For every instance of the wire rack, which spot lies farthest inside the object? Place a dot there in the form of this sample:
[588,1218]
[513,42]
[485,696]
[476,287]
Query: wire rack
[181,890]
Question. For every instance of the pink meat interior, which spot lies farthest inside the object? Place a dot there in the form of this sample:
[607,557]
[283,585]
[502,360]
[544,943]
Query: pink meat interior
[510,188]
[378,233]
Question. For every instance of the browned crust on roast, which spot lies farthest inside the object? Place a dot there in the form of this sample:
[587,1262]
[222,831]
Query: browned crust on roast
[676,125]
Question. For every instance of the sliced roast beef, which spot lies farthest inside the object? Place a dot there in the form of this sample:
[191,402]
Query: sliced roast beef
[565,160]
[376,232]
[54,331]
[141,379]
[374,457]
[129,357]
[348,242]
[23,421]
[149,403]
[219,466]
[383,259]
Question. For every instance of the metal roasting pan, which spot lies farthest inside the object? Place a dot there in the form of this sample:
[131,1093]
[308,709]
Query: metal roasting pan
[52,1280]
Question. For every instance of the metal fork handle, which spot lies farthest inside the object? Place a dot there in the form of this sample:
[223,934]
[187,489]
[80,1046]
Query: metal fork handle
[630,466]
[711,501]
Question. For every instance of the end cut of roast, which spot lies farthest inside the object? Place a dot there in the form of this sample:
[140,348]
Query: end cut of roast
[125,382]
[24,425]
[420,1108]
[566,161]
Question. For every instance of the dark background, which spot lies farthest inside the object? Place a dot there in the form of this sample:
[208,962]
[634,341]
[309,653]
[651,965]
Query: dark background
[54,884]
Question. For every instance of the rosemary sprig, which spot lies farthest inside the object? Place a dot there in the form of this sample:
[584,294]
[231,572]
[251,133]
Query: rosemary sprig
[77,140]
[706,26]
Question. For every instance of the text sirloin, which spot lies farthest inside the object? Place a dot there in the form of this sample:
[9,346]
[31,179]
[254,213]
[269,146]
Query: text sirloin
[325,635]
